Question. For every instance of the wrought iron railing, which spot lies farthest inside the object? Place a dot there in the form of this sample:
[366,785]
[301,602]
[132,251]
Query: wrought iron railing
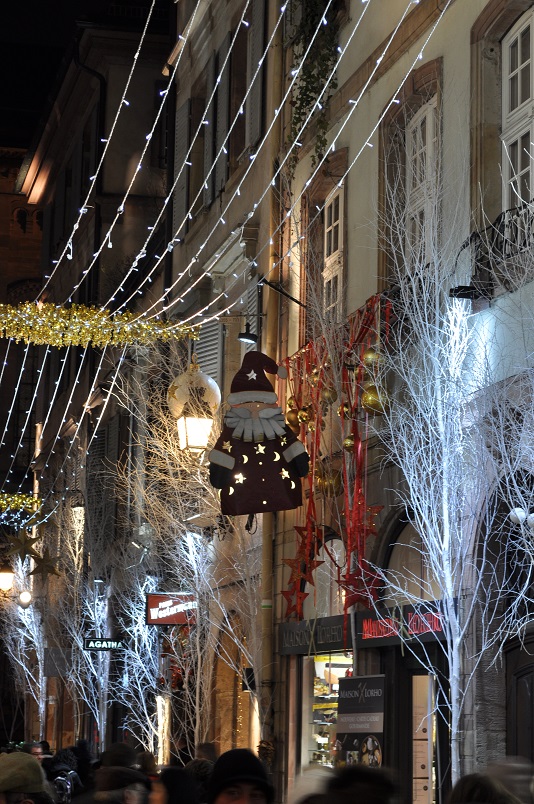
[501,256]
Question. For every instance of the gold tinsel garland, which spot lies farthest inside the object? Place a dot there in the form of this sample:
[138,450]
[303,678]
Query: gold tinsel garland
[78,325]
[18,502]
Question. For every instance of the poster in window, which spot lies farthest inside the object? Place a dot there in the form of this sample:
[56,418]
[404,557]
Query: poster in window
[360,720]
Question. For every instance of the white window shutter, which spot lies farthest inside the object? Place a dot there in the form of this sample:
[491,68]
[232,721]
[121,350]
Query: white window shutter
[209,350]
[180,197]
[253,309]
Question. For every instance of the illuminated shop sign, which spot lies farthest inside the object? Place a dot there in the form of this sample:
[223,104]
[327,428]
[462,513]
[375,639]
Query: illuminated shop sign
[171,609]
[423,623]
[315,636]
[99,643]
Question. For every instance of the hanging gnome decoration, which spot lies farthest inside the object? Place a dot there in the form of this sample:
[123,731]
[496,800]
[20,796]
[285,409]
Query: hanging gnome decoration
[257,461]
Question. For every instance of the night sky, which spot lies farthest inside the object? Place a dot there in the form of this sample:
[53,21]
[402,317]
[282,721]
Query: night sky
[35,36]
[33,39]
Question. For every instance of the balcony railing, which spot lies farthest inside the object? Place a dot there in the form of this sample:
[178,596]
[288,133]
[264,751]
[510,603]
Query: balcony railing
[501,256]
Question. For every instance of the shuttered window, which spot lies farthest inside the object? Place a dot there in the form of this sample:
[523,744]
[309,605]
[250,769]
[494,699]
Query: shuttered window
[181,195]
[209,350]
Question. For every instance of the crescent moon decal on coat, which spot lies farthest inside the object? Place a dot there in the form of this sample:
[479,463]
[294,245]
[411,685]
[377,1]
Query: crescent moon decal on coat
[230,490]
[292,484]
[276,456]
[245,458]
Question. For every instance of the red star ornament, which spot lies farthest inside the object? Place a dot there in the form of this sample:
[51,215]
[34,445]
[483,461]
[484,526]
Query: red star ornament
[294,607]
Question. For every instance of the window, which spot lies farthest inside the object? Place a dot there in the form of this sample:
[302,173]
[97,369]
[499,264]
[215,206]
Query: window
[517,112]
[420,188]
[323,262]
[333,258]
[409,179]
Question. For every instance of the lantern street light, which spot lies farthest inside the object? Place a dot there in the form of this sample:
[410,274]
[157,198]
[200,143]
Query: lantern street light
[194,398]
[7,576]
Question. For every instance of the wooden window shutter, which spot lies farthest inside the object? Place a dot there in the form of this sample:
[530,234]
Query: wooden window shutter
[223,114]
[181,196]
[209,133]
[254,105]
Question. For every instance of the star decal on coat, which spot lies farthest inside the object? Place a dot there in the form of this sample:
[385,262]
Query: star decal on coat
[227,446]
[284,474]
[260,449]
[252,375]
[240,478]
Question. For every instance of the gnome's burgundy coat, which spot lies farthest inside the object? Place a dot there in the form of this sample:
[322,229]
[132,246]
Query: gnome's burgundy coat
[266,475]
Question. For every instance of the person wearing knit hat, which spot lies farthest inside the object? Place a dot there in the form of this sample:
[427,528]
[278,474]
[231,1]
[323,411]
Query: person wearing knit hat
[21,774]
[239,777]
[257,462]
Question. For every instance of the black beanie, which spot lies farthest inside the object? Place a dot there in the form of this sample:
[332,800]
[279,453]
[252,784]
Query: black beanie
[238,765]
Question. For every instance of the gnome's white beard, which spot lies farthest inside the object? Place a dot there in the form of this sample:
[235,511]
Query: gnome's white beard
[269,423]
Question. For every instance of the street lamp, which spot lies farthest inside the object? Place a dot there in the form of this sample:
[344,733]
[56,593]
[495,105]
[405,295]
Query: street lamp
[7,576]
[193,398]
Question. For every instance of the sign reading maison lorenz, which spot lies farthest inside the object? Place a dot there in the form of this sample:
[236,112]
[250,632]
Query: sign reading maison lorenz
[314,636]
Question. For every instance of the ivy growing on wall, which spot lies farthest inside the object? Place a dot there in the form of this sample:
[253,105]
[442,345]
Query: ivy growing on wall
[313,73]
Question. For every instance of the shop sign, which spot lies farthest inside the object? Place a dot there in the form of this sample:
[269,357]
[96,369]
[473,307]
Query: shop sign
[360,720]
[423,623]
[323,635]
[171,609]
[99,643]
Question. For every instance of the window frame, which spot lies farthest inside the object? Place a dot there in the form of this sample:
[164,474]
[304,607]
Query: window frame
[517,123]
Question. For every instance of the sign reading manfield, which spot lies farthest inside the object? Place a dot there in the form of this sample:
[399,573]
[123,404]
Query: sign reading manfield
[178,608]
[360,720]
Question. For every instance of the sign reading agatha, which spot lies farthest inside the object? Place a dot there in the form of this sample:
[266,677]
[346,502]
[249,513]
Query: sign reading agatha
[171,609]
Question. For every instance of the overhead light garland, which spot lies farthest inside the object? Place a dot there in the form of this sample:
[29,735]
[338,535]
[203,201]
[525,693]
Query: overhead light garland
[18,502]
[78,325]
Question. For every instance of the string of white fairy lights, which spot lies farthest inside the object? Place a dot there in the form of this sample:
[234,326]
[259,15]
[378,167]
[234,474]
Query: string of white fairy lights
[219,313]
[123,103]
[354,105]
[108,234]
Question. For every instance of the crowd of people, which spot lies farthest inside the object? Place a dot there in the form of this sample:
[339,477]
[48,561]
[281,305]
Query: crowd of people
[33,775]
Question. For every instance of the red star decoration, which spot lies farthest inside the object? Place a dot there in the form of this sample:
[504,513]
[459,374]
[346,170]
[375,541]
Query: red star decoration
[360,587]
[294,607]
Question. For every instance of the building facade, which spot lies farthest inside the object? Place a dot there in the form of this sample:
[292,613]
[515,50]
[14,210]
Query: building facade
[352,188]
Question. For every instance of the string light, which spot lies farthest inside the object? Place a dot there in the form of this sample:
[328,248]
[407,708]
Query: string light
[79,325]
[18,502]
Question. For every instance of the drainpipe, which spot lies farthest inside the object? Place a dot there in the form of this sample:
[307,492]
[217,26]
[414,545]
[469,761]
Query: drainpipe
[271,348]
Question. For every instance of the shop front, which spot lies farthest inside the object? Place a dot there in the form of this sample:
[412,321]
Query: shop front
[384,713]
[321,649]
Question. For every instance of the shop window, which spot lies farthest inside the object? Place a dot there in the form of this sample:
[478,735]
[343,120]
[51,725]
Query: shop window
[517,112]
[321,676]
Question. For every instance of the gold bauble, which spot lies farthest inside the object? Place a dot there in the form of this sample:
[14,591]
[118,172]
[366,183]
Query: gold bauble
[292,403]
[313,376]
[292,418]
[344,410]
[329,395]
[372,400]
[311,427]
[370,357]
[303,415]
[348,443]
[333,483]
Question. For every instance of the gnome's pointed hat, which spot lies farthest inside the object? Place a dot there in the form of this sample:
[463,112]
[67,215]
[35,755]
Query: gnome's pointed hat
[250,383]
